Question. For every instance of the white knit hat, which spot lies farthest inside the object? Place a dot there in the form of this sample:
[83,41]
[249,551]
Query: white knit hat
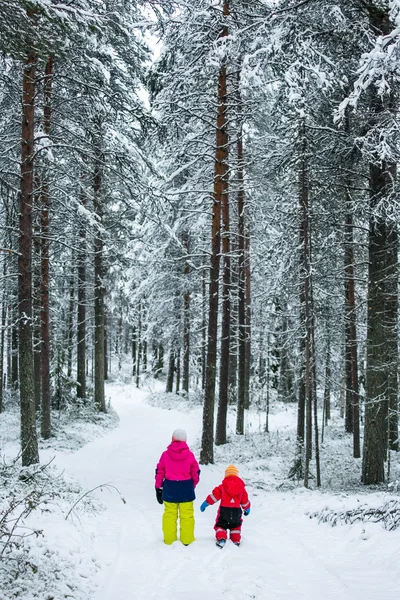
[179,435]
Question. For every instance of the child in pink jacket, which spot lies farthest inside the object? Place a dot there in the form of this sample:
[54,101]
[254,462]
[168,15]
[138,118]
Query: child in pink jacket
[177,475]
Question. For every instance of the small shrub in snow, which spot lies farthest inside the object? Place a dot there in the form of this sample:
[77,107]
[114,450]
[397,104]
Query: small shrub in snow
[175,401]
[78,424]
[12,517]
[388,515]
[40,553]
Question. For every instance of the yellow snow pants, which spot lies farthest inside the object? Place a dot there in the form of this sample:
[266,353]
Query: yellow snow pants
[186,522]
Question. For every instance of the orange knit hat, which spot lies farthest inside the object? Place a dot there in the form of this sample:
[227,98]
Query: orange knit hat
[231,471]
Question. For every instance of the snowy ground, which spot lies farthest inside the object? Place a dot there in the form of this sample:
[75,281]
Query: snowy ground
[119,553]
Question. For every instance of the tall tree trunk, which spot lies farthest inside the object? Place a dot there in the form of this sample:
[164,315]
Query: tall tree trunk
[285,383]
[327,388]
[2,334]
[220,183]
[160,359]
[2,346]
[392,351]
[99,290]
[247,280]
[134,351]
[203,330]
[139,344]
[314,392]
[186,320]
[14,349]
[178,371]
[127,331]
[45,270]
[145,355]
[233,350]
[36,282]
[220,435]
[382,303]
[81,317]
[301,407]
[304,388]
[376,405]
[305,265]
[70,321]
[107,344]
[13,312]
[241,395]
[29,443]
[267,384]
[348,409]
[119,337]
[353,423]
[9,346]
[171,371]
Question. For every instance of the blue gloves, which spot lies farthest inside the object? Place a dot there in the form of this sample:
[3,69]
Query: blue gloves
[204,506]
[246,512]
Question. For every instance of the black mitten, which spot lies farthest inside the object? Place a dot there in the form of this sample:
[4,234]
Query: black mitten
[159,495]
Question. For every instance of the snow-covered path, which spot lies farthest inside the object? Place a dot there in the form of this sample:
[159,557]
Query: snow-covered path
[284,555]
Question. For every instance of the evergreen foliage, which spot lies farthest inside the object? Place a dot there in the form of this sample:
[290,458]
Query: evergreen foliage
[119,178]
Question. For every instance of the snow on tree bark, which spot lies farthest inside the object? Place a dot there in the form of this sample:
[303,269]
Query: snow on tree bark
[29,443]
[220,177]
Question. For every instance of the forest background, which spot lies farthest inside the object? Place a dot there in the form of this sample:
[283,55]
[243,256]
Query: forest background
[225,214]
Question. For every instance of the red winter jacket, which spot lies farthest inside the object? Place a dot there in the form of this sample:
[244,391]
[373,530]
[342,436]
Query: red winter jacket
[232,493]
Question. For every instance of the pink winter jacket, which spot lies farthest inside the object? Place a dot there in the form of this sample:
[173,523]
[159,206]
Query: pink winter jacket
[177,473]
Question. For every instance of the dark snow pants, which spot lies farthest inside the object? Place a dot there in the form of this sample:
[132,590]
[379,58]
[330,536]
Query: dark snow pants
[228,518]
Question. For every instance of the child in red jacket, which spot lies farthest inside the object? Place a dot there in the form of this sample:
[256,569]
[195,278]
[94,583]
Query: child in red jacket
[234,499]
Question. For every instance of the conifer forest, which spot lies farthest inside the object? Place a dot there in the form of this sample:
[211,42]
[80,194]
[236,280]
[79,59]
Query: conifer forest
[209,187]
[202,195]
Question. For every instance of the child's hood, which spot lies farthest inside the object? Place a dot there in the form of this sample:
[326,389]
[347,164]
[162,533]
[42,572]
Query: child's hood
[233,485]
[178,450]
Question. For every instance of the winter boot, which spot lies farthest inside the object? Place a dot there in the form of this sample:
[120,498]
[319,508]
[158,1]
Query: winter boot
[220,543]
